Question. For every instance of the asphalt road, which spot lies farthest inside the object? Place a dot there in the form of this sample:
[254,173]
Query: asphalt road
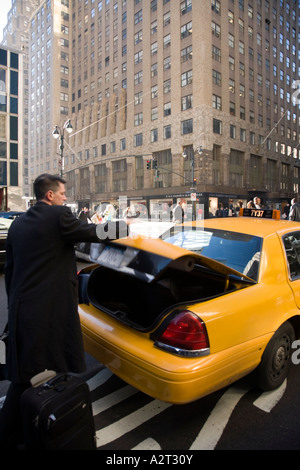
[239,417]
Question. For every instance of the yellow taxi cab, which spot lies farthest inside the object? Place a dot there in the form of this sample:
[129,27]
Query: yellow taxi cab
[181,317]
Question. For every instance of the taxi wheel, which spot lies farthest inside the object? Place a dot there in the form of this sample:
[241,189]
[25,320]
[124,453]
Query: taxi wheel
[276,359]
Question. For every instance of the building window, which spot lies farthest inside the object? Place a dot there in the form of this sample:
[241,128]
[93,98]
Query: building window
[186,30]
[167,132]
[185,6]
[3,57]
[167,109]
[217,78]
[113,147]
[216,29]
[216,53]
[138,57]
[154,91]
[217,102]
[167,41]
[186,102]
[154,48]
[14,181]
[186,53]
[217,126]
[123,144]
[186,78]
[154,113]
[216,6]
[187,126]
[138,140]
[232,131]
[154,135]
[138,119]
[167,86]
[138,78]
[138,17]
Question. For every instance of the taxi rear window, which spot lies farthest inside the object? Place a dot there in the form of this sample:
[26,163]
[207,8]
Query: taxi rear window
[237,250]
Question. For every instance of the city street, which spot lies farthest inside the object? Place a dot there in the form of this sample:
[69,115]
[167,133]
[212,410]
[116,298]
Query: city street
[237,417]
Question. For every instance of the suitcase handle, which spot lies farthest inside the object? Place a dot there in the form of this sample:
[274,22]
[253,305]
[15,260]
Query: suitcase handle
[42,377]
[49,377]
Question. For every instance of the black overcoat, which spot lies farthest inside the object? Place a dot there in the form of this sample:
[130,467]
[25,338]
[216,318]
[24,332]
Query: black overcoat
[41,285]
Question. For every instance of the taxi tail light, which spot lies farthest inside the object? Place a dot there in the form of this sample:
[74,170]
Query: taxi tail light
[184,335]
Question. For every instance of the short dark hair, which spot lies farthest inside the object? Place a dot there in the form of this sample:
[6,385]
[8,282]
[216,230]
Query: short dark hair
[45,183]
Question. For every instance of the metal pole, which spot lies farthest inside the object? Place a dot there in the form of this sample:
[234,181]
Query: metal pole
[61,147]
[193,186]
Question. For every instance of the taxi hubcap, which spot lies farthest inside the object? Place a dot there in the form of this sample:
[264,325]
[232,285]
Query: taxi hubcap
[280,358]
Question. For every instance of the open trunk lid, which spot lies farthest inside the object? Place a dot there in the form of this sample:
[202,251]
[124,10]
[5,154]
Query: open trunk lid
[147,259]
[140,281]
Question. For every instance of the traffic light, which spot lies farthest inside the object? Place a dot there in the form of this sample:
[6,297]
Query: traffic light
[148,164]
[194,180]
[154,163]
[157,173]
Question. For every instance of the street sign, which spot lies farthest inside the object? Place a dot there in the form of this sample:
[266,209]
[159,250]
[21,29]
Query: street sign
[193,196]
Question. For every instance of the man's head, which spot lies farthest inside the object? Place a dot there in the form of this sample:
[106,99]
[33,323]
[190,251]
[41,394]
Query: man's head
[50,189]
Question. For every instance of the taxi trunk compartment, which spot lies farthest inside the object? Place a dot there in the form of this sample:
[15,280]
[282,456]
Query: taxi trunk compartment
[140,304]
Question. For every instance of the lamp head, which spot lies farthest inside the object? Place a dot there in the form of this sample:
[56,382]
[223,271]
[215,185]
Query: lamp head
[68,126]
[55,132]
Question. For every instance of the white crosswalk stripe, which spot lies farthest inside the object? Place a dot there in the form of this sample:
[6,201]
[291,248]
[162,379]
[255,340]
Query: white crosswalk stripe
[268,400]
[130,422]
[110,400]
[210,433]
[213,429]
[117,392]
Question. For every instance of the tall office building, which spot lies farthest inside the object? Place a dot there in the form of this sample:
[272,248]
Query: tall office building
[204,92]
[16,36]
[11,129]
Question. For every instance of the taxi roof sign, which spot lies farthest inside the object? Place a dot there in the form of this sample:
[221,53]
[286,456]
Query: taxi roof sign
[260,213]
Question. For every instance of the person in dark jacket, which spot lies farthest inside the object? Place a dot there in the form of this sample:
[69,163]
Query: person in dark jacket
[41,285]
[294,210]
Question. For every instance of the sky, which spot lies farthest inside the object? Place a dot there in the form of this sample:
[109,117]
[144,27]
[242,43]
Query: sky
[5,6]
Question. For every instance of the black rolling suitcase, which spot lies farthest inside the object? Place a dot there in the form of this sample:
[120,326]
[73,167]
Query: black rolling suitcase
[57,413]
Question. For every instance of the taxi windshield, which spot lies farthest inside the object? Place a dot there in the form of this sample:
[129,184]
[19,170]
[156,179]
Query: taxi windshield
[238,251]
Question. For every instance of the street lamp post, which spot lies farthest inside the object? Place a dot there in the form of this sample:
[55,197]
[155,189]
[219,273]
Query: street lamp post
[193,182]
[58,132]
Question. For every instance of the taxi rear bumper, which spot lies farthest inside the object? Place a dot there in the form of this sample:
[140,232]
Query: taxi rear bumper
[160,374]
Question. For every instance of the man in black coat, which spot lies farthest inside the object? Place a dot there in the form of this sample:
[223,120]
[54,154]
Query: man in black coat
[41,285]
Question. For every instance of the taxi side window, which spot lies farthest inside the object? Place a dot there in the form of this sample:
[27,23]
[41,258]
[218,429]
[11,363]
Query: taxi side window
[292,249]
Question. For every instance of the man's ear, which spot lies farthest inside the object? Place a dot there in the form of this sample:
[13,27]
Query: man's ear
[49,195]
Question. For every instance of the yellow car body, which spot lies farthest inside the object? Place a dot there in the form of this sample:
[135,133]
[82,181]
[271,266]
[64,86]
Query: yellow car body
[240,323]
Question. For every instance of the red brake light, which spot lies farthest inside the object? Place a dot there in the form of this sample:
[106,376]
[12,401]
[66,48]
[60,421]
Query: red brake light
[186,333]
